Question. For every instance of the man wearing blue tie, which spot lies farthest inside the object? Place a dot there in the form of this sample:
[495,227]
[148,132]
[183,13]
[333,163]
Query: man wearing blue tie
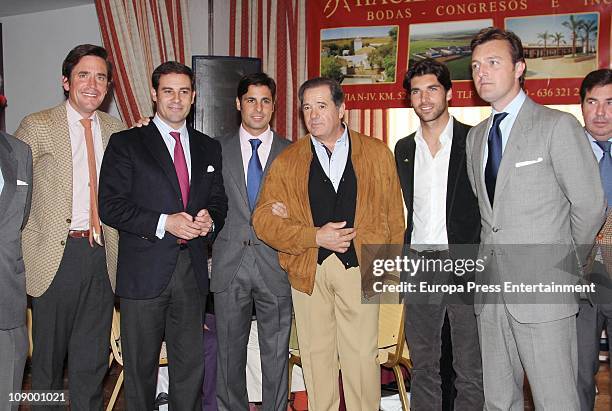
[246,272]
[538,190]
[596,100]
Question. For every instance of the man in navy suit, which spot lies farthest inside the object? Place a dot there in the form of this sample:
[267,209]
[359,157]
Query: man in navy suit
[161,186]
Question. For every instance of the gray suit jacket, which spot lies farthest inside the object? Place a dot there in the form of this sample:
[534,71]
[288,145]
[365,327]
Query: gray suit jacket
[16,165]
[233,240]
[548,192]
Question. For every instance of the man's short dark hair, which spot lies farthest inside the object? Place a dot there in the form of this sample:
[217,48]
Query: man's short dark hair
[429,66]
[256,79]
[76,54]
[596,78]
[516,46]
[334,88]
[171,67]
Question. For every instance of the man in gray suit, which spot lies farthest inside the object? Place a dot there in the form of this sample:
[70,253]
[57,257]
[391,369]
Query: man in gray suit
[245,271]
[537,184]
[16,193]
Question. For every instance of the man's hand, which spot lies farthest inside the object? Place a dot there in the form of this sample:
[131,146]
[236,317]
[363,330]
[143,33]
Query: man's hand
[182,226]
[335,237]
[144,121]
[280,210]
[204,221]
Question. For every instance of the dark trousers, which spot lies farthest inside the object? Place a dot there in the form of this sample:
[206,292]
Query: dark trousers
[73,317]
[13,352]
[589,323]
[209,387]
[233,312]
[423,327]
[176,317]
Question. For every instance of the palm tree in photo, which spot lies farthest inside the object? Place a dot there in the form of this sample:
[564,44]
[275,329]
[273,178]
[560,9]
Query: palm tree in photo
[544,37]
[588,27]
[574,26]
[558,38]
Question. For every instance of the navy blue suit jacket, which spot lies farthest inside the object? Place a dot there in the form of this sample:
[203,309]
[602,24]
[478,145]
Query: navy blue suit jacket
[138,182]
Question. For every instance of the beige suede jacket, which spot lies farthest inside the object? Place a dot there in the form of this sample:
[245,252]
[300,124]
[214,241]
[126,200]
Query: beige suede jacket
[379,215]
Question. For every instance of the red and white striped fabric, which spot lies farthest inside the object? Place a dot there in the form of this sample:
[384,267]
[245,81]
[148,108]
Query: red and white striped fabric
[139,35]
[275,31]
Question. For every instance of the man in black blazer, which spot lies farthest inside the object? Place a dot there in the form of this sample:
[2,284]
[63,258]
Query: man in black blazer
[442,212]
[161,186]
[245,271]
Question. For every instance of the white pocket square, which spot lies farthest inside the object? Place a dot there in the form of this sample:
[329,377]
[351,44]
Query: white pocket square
[528,162]
[210,169]
[21,183]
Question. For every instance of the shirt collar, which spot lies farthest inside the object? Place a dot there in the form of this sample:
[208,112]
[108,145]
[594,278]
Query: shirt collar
[265,137]
[165,129]
[445,137]
[515,105]
[342,141]
[593,139]
[74,117]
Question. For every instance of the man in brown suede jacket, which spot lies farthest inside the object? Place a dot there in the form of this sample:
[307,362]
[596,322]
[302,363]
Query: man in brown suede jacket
[336,190]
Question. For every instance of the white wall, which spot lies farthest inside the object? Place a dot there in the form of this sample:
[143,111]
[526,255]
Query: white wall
[35,46]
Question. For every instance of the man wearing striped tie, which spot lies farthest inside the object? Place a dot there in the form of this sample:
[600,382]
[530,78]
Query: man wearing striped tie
[596,100]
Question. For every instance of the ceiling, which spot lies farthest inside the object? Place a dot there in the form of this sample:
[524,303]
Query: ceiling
[14,7]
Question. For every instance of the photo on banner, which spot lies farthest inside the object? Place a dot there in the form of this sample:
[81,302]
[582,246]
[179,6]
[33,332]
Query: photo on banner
[368,45]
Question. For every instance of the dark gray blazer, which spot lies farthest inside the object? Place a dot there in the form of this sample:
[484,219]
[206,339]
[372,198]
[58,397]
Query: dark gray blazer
[16,166]
[238,233]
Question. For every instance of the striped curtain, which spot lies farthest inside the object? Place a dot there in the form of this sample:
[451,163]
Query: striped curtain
[139,35]
[275,32]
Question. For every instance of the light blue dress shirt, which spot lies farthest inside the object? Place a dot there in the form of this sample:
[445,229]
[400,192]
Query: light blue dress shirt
[333,166]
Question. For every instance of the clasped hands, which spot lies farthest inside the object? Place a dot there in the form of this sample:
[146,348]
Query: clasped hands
[186,227]
[332,236]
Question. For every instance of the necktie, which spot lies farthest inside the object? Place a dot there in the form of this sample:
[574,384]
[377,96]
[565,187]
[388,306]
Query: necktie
[180,164]
[95,229]
[254,173]
[605,168]
[495,155]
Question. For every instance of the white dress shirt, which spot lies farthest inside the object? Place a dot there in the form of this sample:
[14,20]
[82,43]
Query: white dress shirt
[333,166]
[263,150]
[80,167]
[429,199]
[164,130]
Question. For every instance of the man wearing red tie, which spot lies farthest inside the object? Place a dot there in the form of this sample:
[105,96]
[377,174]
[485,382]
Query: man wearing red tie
[161,187]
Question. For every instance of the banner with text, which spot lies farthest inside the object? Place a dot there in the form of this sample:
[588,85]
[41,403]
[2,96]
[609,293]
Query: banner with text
[369,44]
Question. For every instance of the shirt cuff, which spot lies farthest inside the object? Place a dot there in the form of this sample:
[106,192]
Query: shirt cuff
[161,226]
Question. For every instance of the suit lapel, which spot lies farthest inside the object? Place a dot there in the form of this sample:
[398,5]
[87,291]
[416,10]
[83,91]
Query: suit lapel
[275,149]
[8,165]
[407,163]
[478,152]
[154,142]
[198,164]
[235,166]
[516,142]
[62,148]
[455,163]
[104,130]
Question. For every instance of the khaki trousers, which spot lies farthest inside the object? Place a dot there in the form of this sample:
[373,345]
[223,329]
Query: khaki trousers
[336,331]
